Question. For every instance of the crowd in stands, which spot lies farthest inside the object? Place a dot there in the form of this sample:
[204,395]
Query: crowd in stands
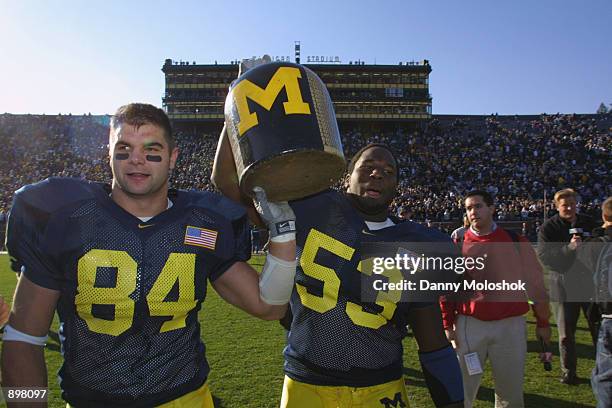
[518,159]
[36,147]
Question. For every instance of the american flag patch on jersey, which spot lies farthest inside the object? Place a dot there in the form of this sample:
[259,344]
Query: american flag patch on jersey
[200,237]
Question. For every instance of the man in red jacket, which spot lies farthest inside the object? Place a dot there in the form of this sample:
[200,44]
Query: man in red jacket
[490,324]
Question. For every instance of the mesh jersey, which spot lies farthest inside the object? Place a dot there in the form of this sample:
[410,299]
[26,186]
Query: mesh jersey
[335,337]
[129,291]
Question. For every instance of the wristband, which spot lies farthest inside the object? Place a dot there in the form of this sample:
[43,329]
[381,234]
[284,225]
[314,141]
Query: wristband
[12,334]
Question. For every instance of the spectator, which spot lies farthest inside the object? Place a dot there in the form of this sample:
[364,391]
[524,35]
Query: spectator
[497,327]
[458,234]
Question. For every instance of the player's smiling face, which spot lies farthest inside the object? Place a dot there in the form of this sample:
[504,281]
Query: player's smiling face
[140,159]
[373,182]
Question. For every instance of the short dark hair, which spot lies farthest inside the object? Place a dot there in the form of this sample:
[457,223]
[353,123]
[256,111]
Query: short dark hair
[138,114]
[356,156]
[486,196]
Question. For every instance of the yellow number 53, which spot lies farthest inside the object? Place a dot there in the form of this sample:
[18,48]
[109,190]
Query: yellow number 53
[317,240]
[179,267]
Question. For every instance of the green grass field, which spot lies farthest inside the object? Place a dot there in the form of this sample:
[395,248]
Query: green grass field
[246,359]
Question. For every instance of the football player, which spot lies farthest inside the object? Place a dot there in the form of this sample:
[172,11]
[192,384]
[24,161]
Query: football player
[127,266]
[343,351]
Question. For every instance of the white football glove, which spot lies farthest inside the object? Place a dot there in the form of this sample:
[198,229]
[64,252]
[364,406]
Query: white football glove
[278,216]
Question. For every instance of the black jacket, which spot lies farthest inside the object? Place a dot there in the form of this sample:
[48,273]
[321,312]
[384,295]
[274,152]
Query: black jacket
[553,239]
[569,279]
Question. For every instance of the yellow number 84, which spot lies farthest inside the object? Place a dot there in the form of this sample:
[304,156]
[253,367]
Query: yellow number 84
[179,267]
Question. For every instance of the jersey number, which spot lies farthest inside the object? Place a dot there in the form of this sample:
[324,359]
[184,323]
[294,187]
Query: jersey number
[331,283]
[179,270]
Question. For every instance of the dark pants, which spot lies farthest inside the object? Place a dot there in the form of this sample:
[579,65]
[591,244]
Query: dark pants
[2,238]
[567,315]
[601,378]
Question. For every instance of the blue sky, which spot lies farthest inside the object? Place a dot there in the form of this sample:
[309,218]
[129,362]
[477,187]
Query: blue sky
[519,57]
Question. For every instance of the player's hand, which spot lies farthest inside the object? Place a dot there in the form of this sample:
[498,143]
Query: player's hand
[278,216]
[574,242]
[4,311]
[543,334]
[451,335]
[249,63]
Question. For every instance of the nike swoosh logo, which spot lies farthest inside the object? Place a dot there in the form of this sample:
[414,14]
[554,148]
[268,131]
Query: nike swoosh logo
[365,232]
[143,226]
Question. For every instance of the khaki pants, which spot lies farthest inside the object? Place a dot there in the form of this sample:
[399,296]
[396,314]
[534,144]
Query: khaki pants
[504,342]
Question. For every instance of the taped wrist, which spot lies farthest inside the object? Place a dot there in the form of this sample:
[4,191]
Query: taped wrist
[12,334]
[289,236]
[282,231]
[276,280]
[442,375]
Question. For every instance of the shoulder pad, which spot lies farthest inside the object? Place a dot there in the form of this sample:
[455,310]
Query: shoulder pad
[422,233]
[54,193]
[210,201]
[321,198]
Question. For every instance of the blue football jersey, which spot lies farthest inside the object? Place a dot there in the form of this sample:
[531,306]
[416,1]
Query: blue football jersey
[130,290]
[336,337]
